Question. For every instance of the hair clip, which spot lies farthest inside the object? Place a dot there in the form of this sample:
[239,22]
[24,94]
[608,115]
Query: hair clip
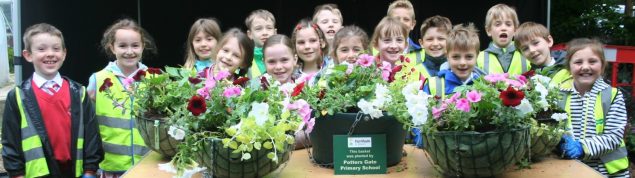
[314,26]
[298,27]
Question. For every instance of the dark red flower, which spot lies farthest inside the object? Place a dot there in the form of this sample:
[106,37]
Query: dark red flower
[394,71]
[511,97]
[152,70]
[197,105]
[242,81]
[321,94]
[264,83]
[404,59]
[437,97]
[423,81]
[139,75]
[194,80]
[107,84]
[297,89]
[529,74]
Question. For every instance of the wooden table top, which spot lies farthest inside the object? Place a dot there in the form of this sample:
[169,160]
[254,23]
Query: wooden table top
[416,164]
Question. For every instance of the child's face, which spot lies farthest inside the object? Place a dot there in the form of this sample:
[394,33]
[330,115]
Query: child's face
[261,30]
[536,49]
[47,54]
[308,45]
[230,56]
[348,50]
[280,62]
[329,23]
[404,16]
[586,67]
[391,47]
[501,30]
[203,44]
[128,48]
[462,62]
[433,41]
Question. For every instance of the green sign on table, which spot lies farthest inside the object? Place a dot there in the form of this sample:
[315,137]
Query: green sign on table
[359,154]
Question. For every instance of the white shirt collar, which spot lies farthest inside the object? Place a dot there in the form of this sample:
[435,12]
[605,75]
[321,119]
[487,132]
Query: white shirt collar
[40,81]
[553,61]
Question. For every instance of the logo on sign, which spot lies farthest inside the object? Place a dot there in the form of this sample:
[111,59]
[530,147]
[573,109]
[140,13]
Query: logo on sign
[360,142]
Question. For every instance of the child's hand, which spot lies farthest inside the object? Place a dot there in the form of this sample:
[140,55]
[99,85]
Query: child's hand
[571,149]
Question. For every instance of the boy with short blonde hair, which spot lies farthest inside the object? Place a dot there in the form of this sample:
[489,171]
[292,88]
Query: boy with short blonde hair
[403,11]
[534,41]
[64,142]
[501,56]
[261,24]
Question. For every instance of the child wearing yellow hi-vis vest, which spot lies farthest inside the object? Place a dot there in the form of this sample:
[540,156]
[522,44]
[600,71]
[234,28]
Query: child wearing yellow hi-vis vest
[596,112]
[49,127]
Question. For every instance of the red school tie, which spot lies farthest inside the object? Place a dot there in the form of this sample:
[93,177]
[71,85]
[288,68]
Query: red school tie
[51,87]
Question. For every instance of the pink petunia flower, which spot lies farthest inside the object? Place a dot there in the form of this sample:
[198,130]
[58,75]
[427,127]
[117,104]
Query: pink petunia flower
[231,91]
[365,60]
[436,112]
[496,77]
[453,98]
[204,92]
[221,75]
[350,68]
[210,83]
[473,96]
[463,105]
[386,68]
[127,82]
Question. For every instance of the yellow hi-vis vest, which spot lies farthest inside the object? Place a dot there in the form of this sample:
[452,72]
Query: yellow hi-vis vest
[254,71]
[123,145]
[490,64]
[562,79]
[35,161]
[420,69]
[436,85]
[616,160]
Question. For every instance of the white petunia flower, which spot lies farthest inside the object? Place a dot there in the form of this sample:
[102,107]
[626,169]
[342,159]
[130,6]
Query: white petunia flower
[411,89]
[260,111]
[382,95]
[287,88]
[176,133]
[559,116]
[419,114]
[524,107]
[541,79]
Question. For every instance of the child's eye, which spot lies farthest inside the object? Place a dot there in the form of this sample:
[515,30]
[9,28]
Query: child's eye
[357,49]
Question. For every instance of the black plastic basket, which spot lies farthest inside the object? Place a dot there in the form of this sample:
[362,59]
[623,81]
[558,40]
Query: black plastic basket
[221,162]
[341,123]
[155,135]
[474,154]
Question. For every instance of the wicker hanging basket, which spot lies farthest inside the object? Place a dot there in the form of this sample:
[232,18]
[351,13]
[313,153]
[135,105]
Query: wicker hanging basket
[474,154]
[542,144]
[155,135]
[341,123]
[221,162]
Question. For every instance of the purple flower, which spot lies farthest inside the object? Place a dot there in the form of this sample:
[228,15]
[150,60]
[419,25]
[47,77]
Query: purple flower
[463,105]
[231,91]
[436,112]
[473,96]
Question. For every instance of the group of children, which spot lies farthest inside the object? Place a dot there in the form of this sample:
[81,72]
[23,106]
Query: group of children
[65,143]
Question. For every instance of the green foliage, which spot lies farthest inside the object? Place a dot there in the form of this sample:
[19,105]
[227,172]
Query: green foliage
[591,18]
[254,119]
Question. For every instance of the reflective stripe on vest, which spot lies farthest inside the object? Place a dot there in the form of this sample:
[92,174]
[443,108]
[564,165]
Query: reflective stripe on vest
[123,145]
[616,160]
[437,87]
[36,165]
[421,69]
[483,60]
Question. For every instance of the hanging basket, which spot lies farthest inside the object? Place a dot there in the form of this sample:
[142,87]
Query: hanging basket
[155,135]
[221,162]
[474,154]
[340,124]
[543,141]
